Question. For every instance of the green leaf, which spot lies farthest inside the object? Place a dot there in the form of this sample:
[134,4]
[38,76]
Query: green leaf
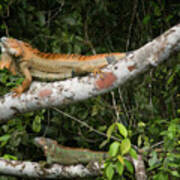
[9,157]
[41,17]
[146,19]
[94,110]
[160,176]
[178,111]
[36,126]
[70,20]
[103,143]
[5,137]
[110,130]
[109,172]
[133,153]
[114,148]
[153,160]
[129,166]
[175,173]
[171,78]
[157,11]
[119,168]
[139,140]
[121,159]
[122,129]
[125,146]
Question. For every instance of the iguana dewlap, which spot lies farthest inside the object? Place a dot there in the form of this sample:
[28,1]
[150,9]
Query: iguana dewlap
[18,56]
[56,153]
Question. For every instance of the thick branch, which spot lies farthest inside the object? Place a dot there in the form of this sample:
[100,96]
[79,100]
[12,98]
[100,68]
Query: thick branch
[57,171]
[139,166]
[43,95]
[36,170]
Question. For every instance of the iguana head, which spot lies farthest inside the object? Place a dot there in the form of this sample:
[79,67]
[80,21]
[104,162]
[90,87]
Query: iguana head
[19,48]
[11,46]
[44,143]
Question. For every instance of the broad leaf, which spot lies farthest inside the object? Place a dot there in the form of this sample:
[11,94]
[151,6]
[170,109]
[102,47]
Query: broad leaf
[129,166]
[120,168]
[109,172]
[125,146]
[110,130]
[114,148]
[122,129]
[133,153]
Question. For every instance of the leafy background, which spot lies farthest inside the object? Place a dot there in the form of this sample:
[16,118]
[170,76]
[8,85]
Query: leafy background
[148,106]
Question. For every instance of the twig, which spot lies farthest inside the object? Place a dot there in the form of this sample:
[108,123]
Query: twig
[56,13]
[131,24]
[6,28]
[87,41]
[115,106]
[157,144]
[123,104]
[48,121]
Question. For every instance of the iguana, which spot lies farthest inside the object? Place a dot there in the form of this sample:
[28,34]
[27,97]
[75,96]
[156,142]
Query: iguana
[56,153]
[18,56]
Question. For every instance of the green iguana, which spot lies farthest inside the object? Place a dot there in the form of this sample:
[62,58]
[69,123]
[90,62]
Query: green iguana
[56,153]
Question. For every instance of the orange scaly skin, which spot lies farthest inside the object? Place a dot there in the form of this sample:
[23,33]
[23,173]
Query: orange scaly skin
[20,56]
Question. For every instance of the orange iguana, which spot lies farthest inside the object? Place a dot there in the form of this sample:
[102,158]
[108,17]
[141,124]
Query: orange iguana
[18,56]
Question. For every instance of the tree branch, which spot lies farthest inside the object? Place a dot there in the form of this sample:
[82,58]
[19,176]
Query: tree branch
[44,95]
[57,171]
[36,170]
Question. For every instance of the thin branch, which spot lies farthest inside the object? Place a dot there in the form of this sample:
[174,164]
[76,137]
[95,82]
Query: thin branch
[157,144]
[87,40]
[57,11]
[115,106]
[6,28]
[123,103]
[131,24]
[48,121]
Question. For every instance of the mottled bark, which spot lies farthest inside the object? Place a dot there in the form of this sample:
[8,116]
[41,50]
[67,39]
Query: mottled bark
[36,170]
[57,171]
[140,170]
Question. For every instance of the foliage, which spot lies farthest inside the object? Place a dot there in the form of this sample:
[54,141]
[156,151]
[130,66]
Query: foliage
[165,161]
[145,112]
[117,151]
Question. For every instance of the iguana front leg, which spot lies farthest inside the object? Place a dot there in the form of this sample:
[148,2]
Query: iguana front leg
[27,81]
[7,62]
